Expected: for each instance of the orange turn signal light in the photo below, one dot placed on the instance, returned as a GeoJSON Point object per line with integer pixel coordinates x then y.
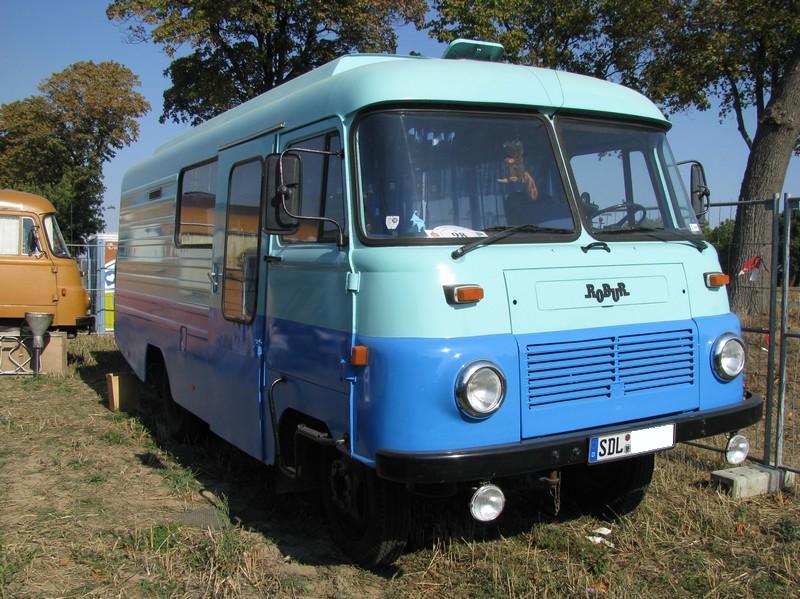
{"type": "Point", "coordinates": [463, 294]}
{"type": "Point", "coordinates": [359, 355]}
{"type": "Point", "coordinates": [716, 279]}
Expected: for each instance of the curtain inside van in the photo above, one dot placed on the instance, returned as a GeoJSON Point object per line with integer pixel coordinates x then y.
{"type": "Point", "coordinates": [9, 235]}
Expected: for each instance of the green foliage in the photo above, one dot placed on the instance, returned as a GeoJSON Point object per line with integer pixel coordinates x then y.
{"type": "Point", "coordinates": [681, 54]}
{"type": "Point", "coordinates": [242, 48]}
{"type": "Point", "coordinates": [722, 239]}
{"type": "Point", "coordinates": [55, 144]}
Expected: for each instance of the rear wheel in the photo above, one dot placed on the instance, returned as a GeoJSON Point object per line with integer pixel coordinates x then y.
{"type": "Point", "coordinates": [610, 490]}
{"type": "Point", "coordinates": [172, 420]}
{"type": "Point", "coordinates": [368, 517]}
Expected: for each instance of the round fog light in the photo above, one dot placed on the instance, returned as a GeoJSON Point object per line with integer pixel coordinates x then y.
{"type": "Point", "coordinates": [737, 449]}
{"type": "Point", "coordinates": [487, 503]}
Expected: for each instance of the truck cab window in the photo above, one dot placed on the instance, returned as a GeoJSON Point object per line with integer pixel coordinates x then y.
{"type": "Point", "coordinates": [30, 242]}
{"type": "Point", "coordinates": [323, 191]}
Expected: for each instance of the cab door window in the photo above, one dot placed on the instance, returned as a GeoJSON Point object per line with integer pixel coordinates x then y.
{"type": "Point", "coordinates": [323, 191]}
{"type": "Point", "coordinates": [30, 241]}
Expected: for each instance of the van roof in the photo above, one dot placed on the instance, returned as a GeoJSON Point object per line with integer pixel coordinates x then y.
{"type": "Point", "coordinates": [23, 201]}
{"type": "Point", "coordinates": [350, 83]}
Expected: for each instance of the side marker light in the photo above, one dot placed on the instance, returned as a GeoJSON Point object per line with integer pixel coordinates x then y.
{"type": "Point", "coordinates": [716, 279]}
{"type": "Point", "coordinates": [463, 294]}
{"type": "Point", "coordinates": [359, 355]}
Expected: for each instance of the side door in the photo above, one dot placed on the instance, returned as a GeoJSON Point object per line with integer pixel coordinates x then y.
{"type": "Point", "coordinates": [28, 264]}
{"type": "Point", "coordinates": [309, 309]}
{"type": "Point", "coordinates": [237, 326]}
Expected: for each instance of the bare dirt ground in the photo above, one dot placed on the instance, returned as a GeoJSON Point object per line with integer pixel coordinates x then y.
{"type": "Point", "coordinates": [100, 504]}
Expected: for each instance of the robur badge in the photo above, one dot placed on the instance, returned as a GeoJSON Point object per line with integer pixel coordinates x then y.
{"type": "Point", "coordinates": [606, 290]}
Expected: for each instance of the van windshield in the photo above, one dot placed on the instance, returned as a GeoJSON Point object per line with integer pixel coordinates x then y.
{"type": "Point", "coordinates": [54, 237]}
{"type": "Point", "coordinates": [430, 176]}
{"type": "Point", "coordinates": [626, 179]}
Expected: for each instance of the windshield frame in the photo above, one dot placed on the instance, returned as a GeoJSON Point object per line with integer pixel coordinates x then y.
{"type": "Point", "coordinates": [521, 237]}
{"type": "Point", "coordinates": [665, 234]}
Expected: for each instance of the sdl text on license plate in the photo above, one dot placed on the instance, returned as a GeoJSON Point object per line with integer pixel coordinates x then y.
{"type": "Point", "coordinates": [627, 443]}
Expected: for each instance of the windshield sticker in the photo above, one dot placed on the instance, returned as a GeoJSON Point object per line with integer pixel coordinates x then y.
{"type": "Point", "coordinates": [453, 231]}
{"type": "Point", "coordinates": [694, 227]}
{"type": "Point", "coordinates": [417, 222]}
{"type": "Point", "coordinates": [392, 222]}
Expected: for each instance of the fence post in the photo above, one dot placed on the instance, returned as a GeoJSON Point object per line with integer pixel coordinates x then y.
{"type": "Point", "coordinates": [786, 237]}
{"type": "Point", "coordinates": [773, 297]}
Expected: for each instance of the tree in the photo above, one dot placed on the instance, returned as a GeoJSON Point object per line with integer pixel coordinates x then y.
{"type": "Point", "coordinates": [242, 48]}
{"type": "Point", "coordinates": [683, 54]}
{"type": "Point", "coordinates": [55, 144]}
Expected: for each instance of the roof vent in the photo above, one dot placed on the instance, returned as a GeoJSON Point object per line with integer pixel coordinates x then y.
{"type": "Point", "coordinates": [474, 50]}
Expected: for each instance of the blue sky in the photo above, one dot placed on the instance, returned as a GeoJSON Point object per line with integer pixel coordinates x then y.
{"type": "Point", "coordinates": [41, 37]}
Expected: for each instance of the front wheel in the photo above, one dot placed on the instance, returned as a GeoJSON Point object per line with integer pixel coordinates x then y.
{"type": "Point", "coordinates": [368, 517]}
{"type": "Point", "coordinates": [610, 490]}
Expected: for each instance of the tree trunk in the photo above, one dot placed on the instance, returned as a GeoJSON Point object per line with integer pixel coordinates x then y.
{"type": "Point", "coordinates": [774, 141]}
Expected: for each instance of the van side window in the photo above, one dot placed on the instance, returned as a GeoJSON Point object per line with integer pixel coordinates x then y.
{"type": "Point", "coordinates": [323, 192]}
{"type": "Point", "coordinates": [9, 235]}
{"type": "Point", "coordinates": [242, 231]}
{"type": "Point", "coordinates": [195, 210]}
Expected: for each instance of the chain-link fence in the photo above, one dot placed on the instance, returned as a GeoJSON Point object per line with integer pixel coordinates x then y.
{"type": "Point", "coordinates": [771, 329]}
{"type": "Point", "coordinates": [97, 263]}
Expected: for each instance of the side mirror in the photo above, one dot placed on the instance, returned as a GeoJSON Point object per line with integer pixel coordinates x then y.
{"type": "Point", "coordinates": [32, 246]}
{"type": "Point", "coordinates": [283, 193]}
{"type": "Point", "coordinates": [700, 192]}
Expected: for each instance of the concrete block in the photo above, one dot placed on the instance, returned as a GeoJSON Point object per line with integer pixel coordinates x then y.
{"type": "Point", "coordinates": [752, 480]}
{"type": "Point", "coordinates": [123, 392]}
{"type": "Point", "coordinates": [54, 354]}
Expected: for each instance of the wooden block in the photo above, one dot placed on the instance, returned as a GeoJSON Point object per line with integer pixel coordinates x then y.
{"type": "Point", "coordinates": [123, 392]}
{"type": "Point", "coordinates": [112, 381]}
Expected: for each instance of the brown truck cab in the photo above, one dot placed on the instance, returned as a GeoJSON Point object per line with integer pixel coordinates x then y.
{"type": "Point", "coordinates": [37, 273]}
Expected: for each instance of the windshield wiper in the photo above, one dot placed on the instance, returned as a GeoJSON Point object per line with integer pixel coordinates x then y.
{"type": "Point", "coordinates": [499, 233]}
{"type": "Point", "coordinates": [653, 232]}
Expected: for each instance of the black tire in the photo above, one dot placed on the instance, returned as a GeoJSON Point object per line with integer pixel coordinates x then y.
{"type": "Point", "coordinates": [368, 517]}
{"type": "Point", "coordinates": [610, 490]}
{"type": "Point", "coordinates": [172, 420]}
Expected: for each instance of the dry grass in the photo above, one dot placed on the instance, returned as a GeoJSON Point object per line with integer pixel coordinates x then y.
{"type": "Point", "coordinates": [93, 504]}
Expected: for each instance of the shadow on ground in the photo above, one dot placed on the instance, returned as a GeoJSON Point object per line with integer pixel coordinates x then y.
{"type": "Point", "coordinates": [233, 482]}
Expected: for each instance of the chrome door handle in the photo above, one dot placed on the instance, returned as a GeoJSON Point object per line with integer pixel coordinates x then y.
{"type": "Point", "coordinates": [213, 276]}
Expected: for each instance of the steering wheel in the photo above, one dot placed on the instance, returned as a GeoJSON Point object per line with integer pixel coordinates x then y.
{"type": "Point", "coordinates": [635, 208]}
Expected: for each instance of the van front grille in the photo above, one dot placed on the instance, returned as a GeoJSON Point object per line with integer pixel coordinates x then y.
{"type": "Point", "coordinates": [602, 366]}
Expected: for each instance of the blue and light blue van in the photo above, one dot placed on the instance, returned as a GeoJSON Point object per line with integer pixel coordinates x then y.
{"type": "Point", "coordinates": [398, 275]}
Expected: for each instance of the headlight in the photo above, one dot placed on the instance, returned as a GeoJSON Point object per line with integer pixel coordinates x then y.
{"type": "Point", "coordinates": [480, 389]}
{"type": "Point", "coordinates": [728, 356]}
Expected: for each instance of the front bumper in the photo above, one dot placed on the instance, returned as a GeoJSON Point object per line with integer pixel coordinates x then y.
{"type": "Point", "coordinates": [551, 452]}
{"type": "Point", "coordinates": [85, 323]}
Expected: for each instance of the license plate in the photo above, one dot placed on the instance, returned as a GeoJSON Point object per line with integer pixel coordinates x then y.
{"type": "Point", "coordinates": [628, 443]}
